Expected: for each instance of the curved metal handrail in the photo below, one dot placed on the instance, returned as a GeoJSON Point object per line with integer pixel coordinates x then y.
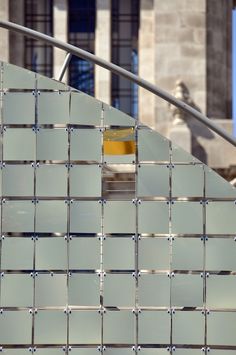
{"type": "Point", "coordinates": [121, 72]}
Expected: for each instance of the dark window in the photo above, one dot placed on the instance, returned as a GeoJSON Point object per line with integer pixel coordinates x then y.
{"type": "Point", "coordinates": [125, 24]}
{"type": "Point", "coordinates": [38, 16]}
{"type": "Point", "coordinates": [81, 21]}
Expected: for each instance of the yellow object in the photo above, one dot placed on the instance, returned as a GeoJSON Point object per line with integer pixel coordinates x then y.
{"type": "Point", "coordinates": [119, 141]}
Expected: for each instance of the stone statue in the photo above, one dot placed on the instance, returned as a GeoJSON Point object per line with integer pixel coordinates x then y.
{"type": "Point", "coordinates": [182, 93]}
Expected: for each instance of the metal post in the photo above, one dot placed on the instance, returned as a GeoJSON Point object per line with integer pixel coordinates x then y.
{"type": "Point", "coordinates": [64, 66]}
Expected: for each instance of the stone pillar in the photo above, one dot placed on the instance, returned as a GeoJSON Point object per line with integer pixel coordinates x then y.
{"type": "Point", "coordinates": [103, 50]}
{"type": "Point", "coordinates": [180, 51]}
{"type": "Point", "coordinates": [219, 58]}
{"type": "Point", "coordinates": [17, 41]}
{"type": "Point", "coordinates": [60, 20]}
{"type": "Point", "coordinates": [4, 34]}
{"type": "Point", "coordinates": [146, 60]}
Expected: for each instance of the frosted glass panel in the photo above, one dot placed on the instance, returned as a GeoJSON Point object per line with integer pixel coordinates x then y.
{"type": "Point", "coordinates": [213, 181]}
{"type": "Point", "coordinates": [180, 156]}
{"type": "Point", "coordinates": [188, 328]}
{"type": "Point", "coordinates": [154, 291]}
{"type": "Point", "coordinates": [18, 180]}
{"type": "Point", "coordinates": [51, 217]}
{"type": "Point", "coordinates": [85, 217]}
{"type": "Point", "coordinates": [17, 253]}
{"type": "Point", "coordinates": [154, 254]}
{"type": "Point", "coordinates": [221, 328]}
{"type": "Point", "coordinates": [51, 180]}
{"type": "Point", "coordinates": [221, 254]}
{"type": "Point", "coordinates": [16, 290]}
{"type": "Point", "coordinates": [152, 146]}
{"type": "Point", "coordinates": [84, 290]}
{"type": "Point", "coordinates": [53, 107]}
{"type": "Point", "coordinates": [79, 258]}
{"type": "Point", "coordinates": [52, 144]}
{"type": "Point", "coordinates": [187, 254]}
{"type": "Point", "coordinates": [50, 291]}
{"type": "Point", "coordinates": [119, 290]}
{"type": "Point", "coordinates": [18, 216]}
{"type": "Point", "coordinates": [85, 327]}
{"type": "Point", "coordinates": [220, 291]}
{"type": "Point", "coordinates": [187, 291]}
{"type": "Point", "coordinates": [18, 108]}
{"type": "Point", "coordinates": [12, 331]}
{"type": "Point", "coordinates": [86, 144]}
{"type": "Point", "coordinates": [17, 78]}
{"type": "Point", "coordinates": [85, 110]}
{"type": "Point", "coordinates": [50, 327]}
{"type": "Point", "coordinates": [85, 351]}
{"type": "Point", "coordinates": [119, 327]}
{"type": "Point", "coordinates": [153, 217]}
{"type": "Point", "coordinates": [153, 180]}
{"type": "Point", "coordinates": [220, 218]}
{"type": "Point", "coordinates": [154, 327]}
{"type": "Point", "coordinates": [85, 181]}
{"type": "Point", "coordinates": [126, 221]}
{"type": "Point", "coordinates": [46, 258]}
{"type": "Point", "coordinates": [187, 181]}
{"type": "Point", "coordinates": [155, 351]}
{"type": "Point", "coordinates": [186, 218]}
{"type": "Point", "coordinates": [114, 117]}
{"type": "Point", "coordinates": [19, 144]}
{"type": "Point", "coordinates": [118, 253]}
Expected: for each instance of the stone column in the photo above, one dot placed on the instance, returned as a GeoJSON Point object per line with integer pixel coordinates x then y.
{"type": "Point", "coordinates": [180, 51]}
{"type": "Point", "coordinates": [4, 35]}
{"type": "Point", "coordinates": [103, 49]}
{"type": "Point", "coordinates": [60, 20]}
{"type": "Point", "coordinates": [147, 61]}
{"type": "Point", "coordinates": [17, 41]}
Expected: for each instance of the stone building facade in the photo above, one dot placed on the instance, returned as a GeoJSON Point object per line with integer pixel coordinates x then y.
{"type": "Point", "coordinates": [163, 41]}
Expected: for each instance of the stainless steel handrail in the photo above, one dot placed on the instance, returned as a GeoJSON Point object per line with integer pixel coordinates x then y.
{"type": "Point", "coordinates": [121, 72]}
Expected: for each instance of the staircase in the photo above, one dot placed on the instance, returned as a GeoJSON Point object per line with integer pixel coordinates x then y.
{"type": "Point", "coordinates": [113, 239]}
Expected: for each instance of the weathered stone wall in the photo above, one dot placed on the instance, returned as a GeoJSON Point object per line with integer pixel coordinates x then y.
{"type": "Point", "coordinates": [180, 51]}
{"type": "Point", "coordinates": [219, 51]}
{"type": "Point", "coordinates": [4, 35]}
